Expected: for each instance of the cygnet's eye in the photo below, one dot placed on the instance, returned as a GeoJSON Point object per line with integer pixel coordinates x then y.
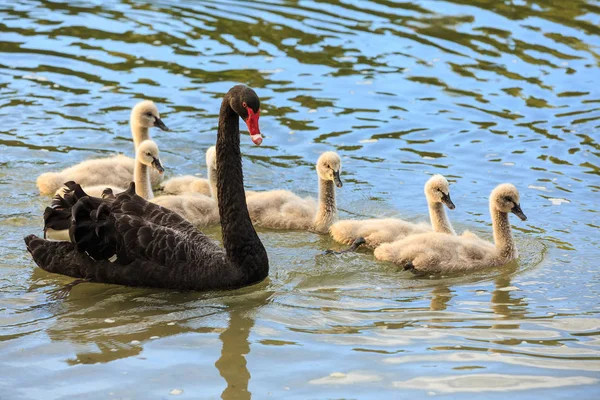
{"type": "Point", "coordinates": [508, 199]}
{"type": "Point", "coordinates": [149, 154]}
{"type": "Point", "coordinates": [148, 114]}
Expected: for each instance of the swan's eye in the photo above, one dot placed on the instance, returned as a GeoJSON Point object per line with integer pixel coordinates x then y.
{"type": "Point", "coordinates": [148, 114]}
{"type": "Point", "coordinates": [244, 104]}
{"type": "Point", "coordinates": [508, 199]}
{"type": "Point", "coordinates": [149, 154]}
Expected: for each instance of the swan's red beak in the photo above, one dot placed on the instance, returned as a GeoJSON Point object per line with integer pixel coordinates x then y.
{"type": "Point", "coordinates": [252, 123]}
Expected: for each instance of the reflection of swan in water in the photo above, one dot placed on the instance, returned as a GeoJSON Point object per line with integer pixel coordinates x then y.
{"type": "Point", "coordinates": [504, 303]}
{"type": "Point", "coordinates": [232, 364]}
{"type": "Point", "coordinates": [109, 323]}
{"type": "Point", "coordinates": [144, 315]}
{"type": "Point", "coordinates": [501, 302]}
{"type": "Point", "coordinates": [440, 296]}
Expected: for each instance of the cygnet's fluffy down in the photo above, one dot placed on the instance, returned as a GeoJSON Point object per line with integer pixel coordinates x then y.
{"type": "Point", "coordinates": [186, 184]}
{"type": "Point", "coordinates": [385, 230]}
{"type": "Point", "coordinates": [113, 171]}
{"type": "Point", "coordinates": [375, 231]}
{"type": "Point", "coordinates": [281, 209]}
{"type": "Point", "coordinates": [436, 252]}
{"type": "Point", "coordinates": [116, 171]}
{"type": "Point", "coordinates": [198, 209]}
{"type": "Point", "coordinates": [194, 184]}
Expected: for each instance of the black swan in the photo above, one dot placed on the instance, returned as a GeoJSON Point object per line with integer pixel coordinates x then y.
{"type": "Point", "coordinates": [127, 240]}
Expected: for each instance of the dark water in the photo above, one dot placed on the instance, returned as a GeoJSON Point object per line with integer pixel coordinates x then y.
{"type": "Point", "coordinates": [481, 91]}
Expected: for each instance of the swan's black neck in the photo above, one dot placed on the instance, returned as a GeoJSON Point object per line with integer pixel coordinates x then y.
{"type": "Point", "coordinates": [240, 240]}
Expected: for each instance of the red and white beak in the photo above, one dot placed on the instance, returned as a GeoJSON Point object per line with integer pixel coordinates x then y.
{"type": "Point", "coordinates": [252, 123]}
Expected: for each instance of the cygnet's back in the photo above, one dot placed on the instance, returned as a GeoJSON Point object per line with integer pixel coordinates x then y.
{"type": "Point", "coordinates": [438, 252]}
{"type": "Point", "coordinates": [281, 209]}
{"type": "Point", "coordinates": [193, 184]}
{"type": "Point", "coordinates": [200, 210]}
{"type": "Point", "coordinates": [378, 231]}
{"type": "Point", "coordinates": [112, 171]}
{"type": "Point", "coordinates": [186, 184]}
{"type": "Point", "coordinates": [375, 231]}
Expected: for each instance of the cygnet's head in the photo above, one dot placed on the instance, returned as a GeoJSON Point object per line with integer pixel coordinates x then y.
{"type": "Point", "coordinates": [505, 198]}
{"type": "Point", "coordinates": [437, 190]}
{"type": "Point", "coordinates": [329, 166]}
{"type": "Point", "coordinates": [211, 158]}
{"type": "Point", "coordinates": [147, 154]}
{"type": "Point", "coordinates": [146, 114]}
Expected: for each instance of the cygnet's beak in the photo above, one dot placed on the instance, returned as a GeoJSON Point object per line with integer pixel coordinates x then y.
{"type": "Point", "coordinates": [159, 124]}
{"type": "Point", "coordinates": [518, 212]}
{"type": "Point", "coordinates": [157, 165]}
{"type": "Point", "coordinates": [448, 201]}
{"type": "Point", "coordinates": [336, 179]}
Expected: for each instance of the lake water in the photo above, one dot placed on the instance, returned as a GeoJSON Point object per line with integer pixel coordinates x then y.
{"type": "Point", "coordinates": [481, 91]}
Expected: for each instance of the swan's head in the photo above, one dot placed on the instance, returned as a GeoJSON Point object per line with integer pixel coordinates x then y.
{"type": "Point", "coordinates": [147, 154]}
{"type": "Point", "coordinates": [211, 158]}
{"type": "Point", "coordinates": [146, 114]}
{"type": "Point", "coordinates": [437, 190]}
{"type": "Point", "coordinates": [244, 101]}
{"type": "Point", "coordinates": [505, 198]}
{"type": "Point", "coordinates": [329, 166]}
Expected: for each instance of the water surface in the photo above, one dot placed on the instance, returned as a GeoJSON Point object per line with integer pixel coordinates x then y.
{"type": "Point", "coordinates": [481, 91]}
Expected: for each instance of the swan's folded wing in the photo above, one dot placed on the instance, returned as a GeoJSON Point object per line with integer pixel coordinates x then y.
{"type": "Point", "coordinates": [139, 238]}
{"type": "Point", "coordinates": [130, 228]}
{"type": "Point", "coordinates": [56, 220]}
{"type": "Point", "coordinates": [131, 204]}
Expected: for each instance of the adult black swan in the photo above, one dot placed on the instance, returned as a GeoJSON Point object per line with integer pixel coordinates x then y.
{"type": "Point", "coordinates": [126, 240]}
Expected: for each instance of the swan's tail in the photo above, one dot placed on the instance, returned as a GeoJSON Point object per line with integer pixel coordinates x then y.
{"type": "Point", "coordinates": [93, 228]}
{"type": "Point", "coordinates": [49, 182]}
{"type": "Point", "coordinates": [57, 217]}
{"type": "Point", "coordinates": [91, 231]}
{"type": "Point", "coordinates": [54, 257]}
{"type": "Point", "coordinates": [56, 224]}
